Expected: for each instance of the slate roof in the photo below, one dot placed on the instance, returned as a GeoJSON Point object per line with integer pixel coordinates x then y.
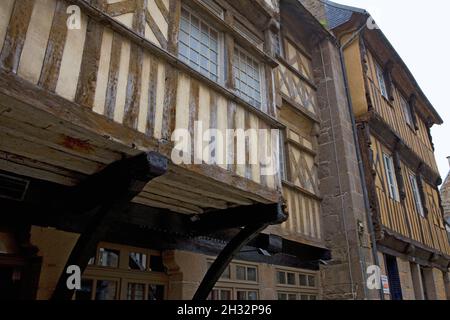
{"type": "Point", "coordinates": [338, 14]}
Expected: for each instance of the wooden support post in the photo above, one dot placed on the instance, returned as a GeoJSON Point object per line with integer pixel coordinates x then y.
{"type": "Point", "coordinates": [248, 233]}
{"type": "Point", "coordinates": [106, 194]}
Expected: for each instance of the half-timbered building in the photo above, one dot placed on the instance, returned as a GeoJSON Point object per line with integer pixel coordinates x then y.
{"type": "Point", "coordinates": [207, 149]}
{"type": "Point", "coordinates": [445, 195]}
{"type": "Point", "coordinates": [92, 94]}
{"type": "Point", "coordinates": [393, 119]}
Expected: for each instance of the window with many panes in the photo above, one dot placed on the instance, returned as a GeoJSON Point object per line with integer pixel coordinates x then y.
{"type": "Point", "coordinates": [220, 294]}
{"type": "Point", "coordinates": [246, 273]}
{"type": "Point", "coordinates": [295, 296]}
{"type": "Point", "coordinates": [296, 285]}
{"type": "Point", "coordinates": [199, 45]}
{"type": "Point", "coordinates": [416, 195]}
{"type": "Point", "coordinates": [246, 295]}
{"type": "Point", "coordinates": [247, 77]}
{"type": "Point", "coordinates": [307, 280]}
{"type": "Point", "coordinates": [390, 176]}
{"type": "Point", "coordinates": [115, 266]}
{"type": "Point", "coordinates": [233, 294]}
{"type": "Point", "coordinates": [381, 81]}
{"type": "Point", "coordinates": [108, 257]}
{"type": "Point", "coordinates": [288, 278]}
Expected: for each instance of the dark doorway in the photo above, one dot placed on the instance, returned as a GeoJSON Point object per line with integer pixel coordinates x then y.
{"type": "Point", "coordinates": [9, 283]}
{"type": "Point", "coordinates": [395, 286]}
{"type": "Point", "coordinates": [426, 295]}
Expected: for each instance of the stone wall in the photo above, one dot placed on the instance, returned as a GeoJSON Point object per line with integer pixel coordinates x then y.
{"type": "Point", "coordinates": [406, 280]}
{"type": "Point", "coordinates": [317, 9]}
{"type": "Point", "coordinates": [438, 277]}
{"type": "Point", "coordinates": [344, 216]}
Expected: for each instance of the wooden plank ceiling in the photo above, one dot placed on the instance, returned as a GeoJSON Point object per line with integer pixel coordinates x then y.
{"type": "Point", "coordinates": [37, 144]}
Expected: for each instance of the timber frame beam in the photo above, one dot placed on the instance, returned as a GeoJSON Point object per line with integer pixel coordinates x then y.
{"type": "Point", "coordinates": [105, 194]}
{"type": "Point", "coordinates": [382, 132]}
{"type": "Point", "coordinates": [271, 214]}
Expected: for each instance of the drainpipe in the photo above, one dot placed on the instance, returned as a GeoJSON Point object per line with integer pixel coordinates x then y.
{"type": "Point", "coordinates": [355, 35]}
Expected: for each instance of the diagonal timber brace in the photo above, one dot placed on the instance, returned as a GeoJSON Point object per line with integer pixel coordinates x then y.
{"type": "Point", "coordinates": [270, 214]}
{"type": "Point", "coordinates": [105, 194]}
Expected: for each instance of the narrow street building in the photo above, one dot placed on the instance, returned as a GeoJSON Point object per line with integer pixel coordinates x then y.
{"type": "Point", "coordinates": [212, 149]}
{"type": "Point", "coordinates": [445, 195]}
{"type": "Point", "coordinates": [93, 94]}
{"type": "Point", "coordinates": [393, 119]}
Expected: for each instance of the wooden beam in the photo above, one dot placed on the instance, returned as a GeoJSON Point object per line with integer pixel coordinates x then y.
{"type": "Point", "coordinates": [15, 35]}
{"type": "Point", "coordinates": [107, 194]}
{"type": "Point", "coordinates": [55, 48]}
{"type": "Point", "coordinates": [118, 8]}
{"type": "Point", "coordinates": [223, 260]}
{"type": "Point", "coordinates": [174, 26]}
{"type": "Point", "coordinates": [156, 31]}
{"type": "Point", "coordinates": [237, 217]}
{"type": "Point", "coordinates": [87, 81]}
{"type": "Point", "coordinates": [272, 214]}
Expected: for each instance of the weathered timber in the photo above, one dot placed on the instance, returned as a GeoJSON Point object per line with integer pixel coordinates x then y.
{"type": "Point", "coordinates": [107, 193]}
{"type": "Point", "coordinates": [274, 214]}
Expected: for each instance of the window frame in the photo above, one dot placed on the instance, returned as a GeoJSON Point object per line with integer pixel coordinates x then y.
{"type": "Point", "coordinates": [394, 192]}
{"type": "Point", "coordinates": [122, 275]}
{"type": "Point", "coordinates": [261, 71]}
{"type": "Point", "coordinates": [407, 112]}
{"type": "Point", "coordinates": [418, 203]}
{"type": "Point", "coordinates": [246, 267]}
{"type": "Point", "coordinates": [221, 61]}
{"type": "Point", "coordinates": [382, 84]}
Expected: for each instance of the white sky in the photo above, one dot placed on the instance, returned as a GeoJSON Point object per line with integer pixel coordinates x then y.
{"type": "Point", "coordinates": [418, 30]}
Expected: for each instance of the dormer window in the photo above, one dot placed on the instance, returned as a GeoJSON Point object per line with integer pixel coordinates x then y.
{"type": "Point", "coordinates": [382, 82]}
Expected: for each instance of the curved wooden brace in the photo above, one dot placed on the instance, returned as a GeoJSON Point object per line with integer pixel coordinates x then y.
{"type": "Point", "coordinates": [235, 245]}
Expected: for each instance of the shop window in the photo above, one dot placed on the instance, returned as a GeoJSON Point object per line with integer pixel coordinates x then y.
{"type": "Point", "coordinates": [106, 290]}
{"type": "Point", "coordinates": [246, 295]}
{"type": "Point", "coordinates": [137, 261]}
{"type": "Point", "coordinates": [109, 257]}
{"type": "Point", "coordinates": [220, 294]}
{"type": "Point", "coordinates": [85, 293]}
{"type": "Point", "coordinates": [155, 292]}
{"type": "Point", "coordinates": [135, 291]}
{"type": "Point", "coordinates": [246, 273]}
{"type": "Point", "coordinates": [281, 277]}
{"type": "Point", "coordinates": [156, 264]}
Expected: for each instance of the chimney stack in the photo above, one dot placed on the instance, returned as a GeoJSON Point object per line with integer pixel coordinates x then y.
{"type": "Point", "coordinates": [317, 8]}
